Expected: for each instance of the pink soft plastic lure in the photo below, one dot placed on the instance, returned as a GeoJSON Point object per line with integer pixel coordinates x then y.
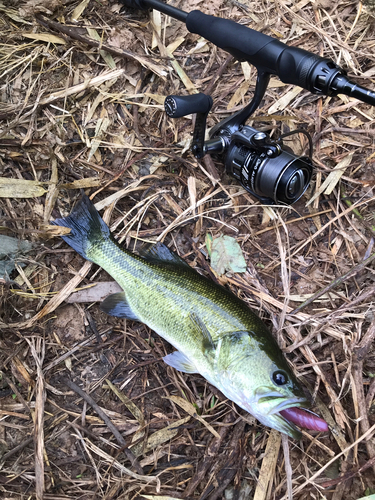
{"type": "Point", "coordinates": [305, 419]}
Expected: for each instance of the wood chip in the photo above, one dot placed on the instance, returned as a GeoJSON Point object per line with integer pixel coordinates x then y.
{"type": "Point", "coordinates": [267, 471]}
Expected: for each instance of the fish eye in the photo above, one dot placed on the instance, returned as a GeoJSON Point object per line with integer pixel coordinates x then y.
{"type": "Point", "coordinates": [279, 378]}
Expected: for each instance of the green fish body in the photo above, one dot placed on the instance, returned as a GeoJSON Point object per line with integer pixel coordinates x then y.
{"type": "Point", "coordinates": [214, 332]}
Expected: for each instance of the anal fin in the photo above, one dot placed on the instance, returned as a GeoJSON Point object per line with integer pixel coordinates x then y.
{"type": "Point", "coordinates": [117, 305]}
{"type": "Point", "coordinates": [181, 362]}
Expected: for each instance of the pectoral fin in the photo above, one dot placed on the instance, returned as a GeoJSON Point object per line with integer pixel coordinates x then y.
{"type": "Point", "coordinates": [202, 332]}
{"type": "Point", "coordinates": [230, 350]}
{"type": "Point", "coordinates": [117, 305]}
{"type": "Point", "coordinates": [180, 362]}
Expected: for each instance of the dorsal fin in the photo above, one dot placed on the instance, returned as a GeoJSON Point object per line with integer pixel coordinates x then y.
{"type": "Point", "coordinates": [161, 254]}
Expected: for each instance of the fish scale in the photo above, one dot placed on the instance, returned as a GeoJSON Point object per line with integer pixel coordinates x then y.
{"type": "Point", "coordinates": [214, 332]}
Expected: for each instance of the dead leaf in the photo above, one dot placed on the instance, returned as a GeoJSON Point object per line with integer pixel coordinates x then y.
{"type": "Point", "coordinates": [44, 37]}
{"type": "Point", "coordinates": [32, 7]}
{"type": "Point", "coordinates": [105, 55]}
{"type": "Point", "coordinates": [96, 292]}
{"type": "Point", "coordinates": [133, 408]}
{"type": "Point", "coordinates": [82, 183]}
{"type": "Point", "coordinates": [226, 255]}
{"type": "Point", "coordinates": [101, 127]}
{"type": "Point", "coordinates": [333, 178]}
{"type": "Point", "coordinates": [53, 231]}
{"type": "Point", "coordinates": [69, 325]}
{"type": "Point", "coordinates": [78, 11]}
{"type": "Point", "coordinates": [20, 188]}
{"type": "Point", "coordinates": [283, 102]}
{"type": "Point", "coordinates": [158, 438]}
{"type": "Point", "coordinates": [10, 250]}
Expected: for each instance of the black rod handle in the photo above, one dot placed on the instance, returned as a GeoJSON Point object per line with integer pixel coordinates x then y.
{"type": "Point", "coordinates": [291, 64]}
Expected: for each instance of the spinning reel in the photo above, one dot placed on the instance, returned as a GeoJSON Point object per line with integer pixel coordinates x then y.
{"type": "Point", "coordinates": [260, 164]}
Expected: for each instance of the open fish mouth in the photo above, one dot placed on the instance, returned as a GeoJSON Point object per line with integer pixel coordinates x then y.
{"type": "Point", "coordinates": [293, 412]}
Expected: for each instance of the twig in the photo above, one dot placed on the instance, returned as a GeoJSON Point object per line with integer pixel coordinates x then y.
{"type": "Point", "coordinates": [72, 32]}
{"type": "Point", "coordinates": [108, 423]}
{"type": "Point", "coordinates": [288, 467]}
{"type": "Point", "coordinates": [310, 240]}
{"type": "Point", "coordinates": [370, 393]}
{"type": "Point", "coordinates": [16, 449]}
{"type": "Point", "coordinates": [211, 169]}
{"type": "Point", "coordinates": [16, 391]}
{"type": "Point", "coordinates": [232, 465]}
{"type": "Point", "coordinates": [359, 391]}
{"type": "Point", "coordinates": [210, 458]}
{"type": "Point", "coordinates": [322, 469]}
{"type": "Point", "coordinates": [60, 94]}
{"type": "Point", "coordinates": [349, 474]}
{"type": "Point", "coordinates": [342, 130]}
{"type": "Point", "coordinates": [94, 330]}
{"type": "Point", "coordinates": [38, 351]}
{"type": "Point", "coordinates": [346, 307]}
{"type": "Point", "coordinates": [218, 73]}
{"type": "Point", "coordinates": [355, 270]}
{"type": "Point", "coordinates": [357, 213]}
{"type": "Point", "coordinates": [359, 355]}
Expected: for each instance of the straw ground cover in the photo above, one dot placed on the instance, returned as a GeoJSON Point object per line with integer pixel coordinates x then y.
{"type": "Point", "coordinates": [87, 408]}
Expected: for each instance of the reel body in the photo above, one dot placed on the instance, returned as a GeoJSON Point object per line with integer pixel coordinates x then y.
{"type": "Point", "coordinates": [272, 178]}
{"type": "Point", "coordinates": [263, 167]}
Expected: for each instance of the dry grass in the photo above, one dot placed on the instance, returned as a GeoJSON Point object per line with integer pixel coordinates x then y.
{"type": "Point", "coordinates": [88, 409]}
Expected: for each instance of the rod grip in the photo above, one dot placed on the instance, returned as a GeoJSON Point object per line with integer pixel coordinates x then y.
{"type": "Point", "coordinates": [267, 54]}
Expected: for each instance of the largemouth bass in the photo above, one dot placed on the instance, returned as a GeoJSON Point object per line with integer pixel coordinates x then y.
{"type": "Point", "coordinates": [214, 332]}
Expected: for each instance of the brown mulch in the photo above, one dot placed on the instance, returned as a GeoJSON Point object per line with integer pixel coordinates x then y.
{"type": "Point", "coordinates": [87, 407]}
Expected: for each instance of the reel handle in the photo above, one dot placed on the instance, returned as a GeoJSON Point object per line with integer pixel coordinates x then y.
{"type": "Point", "coordinates": [177, 106]}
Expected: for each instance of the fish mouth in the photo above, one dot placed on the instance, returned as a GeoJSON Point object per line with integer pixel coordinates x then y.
{"type": "Point", "coordinates": [291, 429]}
{"type": "Point", "coordinates": [274, 413]}
{"type": "Point", "coordinates": [284, 403]}
{"type": "Point", "coordinates": [290, 411]}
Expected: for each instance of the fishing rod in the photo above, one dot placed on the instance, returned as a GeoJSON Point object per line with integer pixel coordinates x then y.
{"type": "Point", "coordinates": [269, 171]}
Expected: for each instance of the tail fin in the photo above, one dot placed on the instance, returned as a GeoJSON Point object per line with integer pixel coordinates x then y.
{"type": "Point", "coordinates": [87, 227]}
